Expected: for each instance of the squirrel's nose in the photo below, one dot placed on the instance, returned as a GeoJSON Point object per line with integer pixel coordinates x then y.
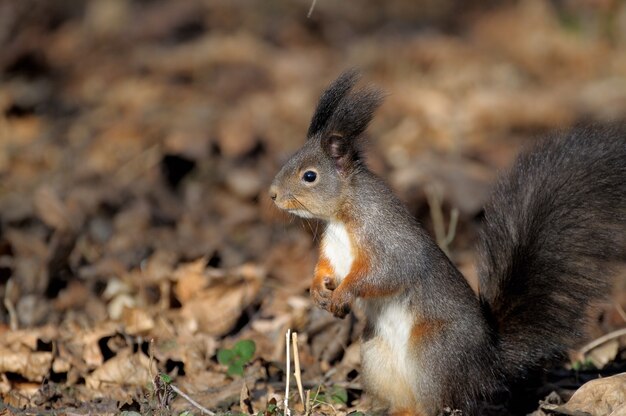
{"type": "Point", "coordinates": [273, 193]}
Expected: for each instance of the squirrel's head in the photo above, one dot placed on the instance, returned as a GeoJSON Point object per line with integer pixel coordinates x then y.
{"type": "Point", "coordinates": [316, 180]}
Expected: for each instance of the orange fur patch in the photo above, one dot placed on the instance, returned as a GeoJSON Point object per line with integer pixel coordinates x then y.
{"type": "Point", "coordinates": [323, 269]}
{"type": "Point", "coordinates": [406, 413]}
{"type": "Point", "coordinates": [354, 282]}
{"type": "Point", "coordinates": [291, 204]}
{"type": "Point", "coordinates": [424, 329]}
{"type": "Point", "coordinates": [358, 278]}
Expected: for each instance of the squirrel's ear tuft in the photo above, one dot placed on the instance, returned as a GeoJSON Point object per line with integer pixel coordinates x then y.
{"type": "Point", "coordinates": [354, 112]}
{"type": "Point", "coordinates": [330, 99]}
{"type": "Point", "coordinates": [342, 115]}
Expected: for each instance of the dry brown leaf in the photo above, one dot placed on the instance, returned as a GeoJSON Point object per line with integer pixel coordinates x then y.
{"type": "Point", "coordinates": [245, 183]}
{"type": "Point", "coordinates": [605, 353]}
{"type": "Point", "coordinates": [119, 303]}
{"type": "Point", "coordinates": [5, 384]}
{"type": "Point", "coordinates": [601, 397]}
{"type": "Point", "coordinates": [194, 351]}
{"type": "Point", "coordinates": [159, 266]}
{"type": "Point", "coordinates": [61, 365]}
{"type": "Point", "coordinates": [245, 400]}
{"type": "Point", "coordinates": [28, 338]}
{"type": "Point", "coordinates": [125, 369]}
{"type": "Point", "coordinates": [137, 321]}
{"type": "Point", "coordinates": [33, 366]}
{"type": "Point", "coordinates": [236, 137]}
{"type": "Point", "coordinates": [190, 279]}
{"type": "Point", "coordinates": [51, 209]}
{"type": "Point", "coordinates": [75, 295]}
{"type": "Point", "coordinates": [217, 308]}
{"type": "Point", "coordinates": [88, 342]}
{"type": "Point", "coordinates": [21, 394]}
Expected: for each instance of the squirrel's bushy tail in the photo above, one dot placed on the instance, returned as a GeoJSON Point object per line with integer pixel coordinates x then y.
{"type": "Point", "coordinates": [551, 231]}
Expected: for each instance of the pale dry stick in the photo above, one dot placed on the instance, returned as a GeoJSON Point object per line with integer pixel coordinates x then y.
{"type": "Point", "coordinates": [316, 402]}
{"type": "Point", "coordinates": [297, 373]}
{"type": "Point", "coordinates": [151, 352]}
{"type": "Point", "coordinates": [308, 16]}
{"type": "Point", "coordinates": [454, 218]}
{"type": "Point", "coordinates": [599, 341]}
{"type": "Point", "coordinates": [286, 402]}
{"type": "Point", "coordinates": [178, 391]}
{"type": "Point", "coordinates": [317, 393]}
{"type": "Point", "coordinates": [8, 303]}
{"type": "Point", "coordinates": [433, 196]}
{"type": "Point", "coordinates": [307, 406]}
{"type": "Point", "coordinates": [197, 405]}
{"type": "Point", "coordinates": [620, 310]}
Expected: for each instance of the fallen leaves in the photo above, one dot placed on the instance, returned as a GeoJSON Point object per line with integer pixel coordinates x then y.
{"type": "Point", "coordinates": [33, 366]}
{"type": "Point", "coordinates": [135, 158]}
{"type": "Point", "coordinates": [126, 369]}
{"type": "Point", "coordinates": [601, 397]}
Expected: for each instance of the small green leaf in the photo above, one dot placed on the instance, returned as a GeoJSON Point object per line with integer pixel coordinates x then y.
{"type": "Point", "coordinates": [185, 413]}
{"type": "Point", "coordinates": [585, 365]}
{"type": "Point", "coordinates": [235, 369]}
{"type": "Point", "coordinates": [225, 357]}
{"type": "Point", "coordinates": [130, 413]}
{"type": "Point", "coordinates": [339, 395]}
{"type": "Point", "coordinates": [240, 360]}
{"type": "Point", "coordinates": [356, 413]}
{"type": "Point", "coordinates": [245, 349]}
{"type": "Point", "coordinates": [165, 378]}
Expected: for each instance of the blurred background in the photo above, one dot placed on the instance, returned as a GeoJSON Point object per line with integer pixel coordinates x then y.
{"type": "Point", "coordinates": [138, 139]}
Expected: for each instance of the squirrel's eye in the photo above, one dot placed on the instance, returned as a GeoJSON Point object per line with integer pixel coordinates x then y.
{"type": "Point", "coordinates": [309, 176]}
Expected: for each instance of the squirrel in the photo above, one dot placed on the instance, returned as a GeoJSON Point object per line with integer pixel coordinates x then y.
{"type": "Point", "coordinates": [552, 228]}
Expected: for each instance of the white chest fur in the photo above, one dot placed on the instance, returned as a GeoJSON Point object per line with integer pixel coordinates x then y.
{"type": "Point", "coordinates": [337, 248]}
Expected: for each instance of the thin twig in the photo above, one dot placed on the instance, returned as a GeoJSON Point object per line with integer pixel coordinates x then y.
{"type": "Point", "coordinates": [286, 402]}
{"type": "Point", "coordinates": [308, 16]}
{"type": "Point", "coordinates": [433, 197]}
{"type": "Point", "coordinates": [8, 303]}
{"type": "Point", "coordinates": [297, 373]}
{"type": "Point", "coordinates": [307, 406]}
{"type": "Point", "coordinates": [620, 310]}
{"type": "Point", "coordinates": [202, 409]}
{"type": "Point", "coordinates": [454, 218]}
{"type": "Point", "coordinates": [599, 341]}
{"type": "Point", "coordinates": [315, 401]}
{"type": "Point", "coordinates": [435, 202]}
{"type": "Point", "coordinates": [151, 351]}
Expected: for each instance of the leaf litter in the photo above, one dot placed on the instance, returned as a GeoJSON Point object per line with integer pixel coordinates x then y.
{"type": "Point", "coordinates": [137, 139]}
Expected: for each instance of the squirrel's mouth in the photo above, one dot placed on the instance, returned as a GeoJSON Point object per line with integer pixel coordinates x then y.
{"type": "Point", "coordinates": [298, 211]}
{"type": "Point", "coordinates": [294, 207]}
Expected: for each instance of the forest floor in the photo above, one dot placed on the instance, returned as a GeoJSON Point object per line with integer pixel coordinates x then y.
{"type": "Point", "coordinates": [138, 247]}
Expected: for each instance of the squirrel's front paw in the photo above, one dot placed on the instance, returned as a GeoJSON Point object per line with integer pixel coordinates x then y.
{"type": "Point", "coordinates": [321, 292]}
{"type": "Point", "coordinates": [340, 302]}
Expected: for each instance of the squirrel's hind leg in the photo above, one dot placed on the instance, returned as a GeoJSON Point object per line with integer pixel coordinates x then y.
{"type": "Point", "coordinates": [394, 358]}
{"type": "Point", "coordinates": [385, 377]}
